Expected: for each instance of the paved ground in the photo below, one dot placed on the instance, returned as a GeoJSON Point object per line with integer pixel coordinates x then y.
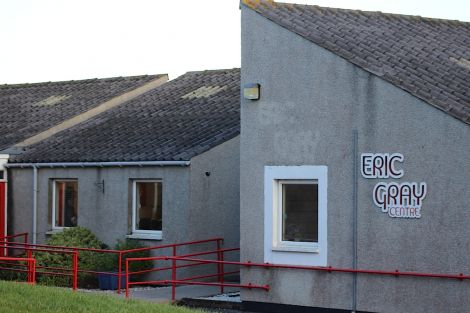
{"type": "Point", "coordinates": [162, 294]}
{"type": "Point", "coordinates": [204, 293]}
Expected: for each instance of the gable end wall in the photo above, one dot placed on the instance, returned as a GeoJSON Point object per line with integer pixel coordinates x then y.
{"type": "Point", "coordinates": [311, 102]}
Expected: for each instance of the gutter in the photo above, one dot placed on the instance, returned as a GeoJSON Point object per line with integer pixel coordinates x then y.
{"type": "Point", "coordinates": [37, 166]}
{"type": "Point", "coordinates": [97, 164]}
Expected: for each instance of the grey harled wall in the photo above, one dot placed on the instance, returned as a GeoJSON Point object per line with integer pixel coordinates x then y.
{"type": "Point", "coordinates": [215, 199]}
{"type": "Point", "coordinates": [311, 101]}
{"type": "Point", "coordinates": [106, 214]}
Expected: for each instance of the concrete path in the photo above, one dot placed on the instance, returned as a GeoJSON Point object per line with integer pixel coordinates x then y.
{"type": "Point", "coordinates": [163, 294]}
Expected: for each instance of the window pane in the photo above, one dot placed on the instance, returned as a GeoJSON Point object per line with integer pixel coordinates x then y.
{"type": "Point", "coordinates": [300, 212]}
{"type": "Point", "coordinates": [66, 203]}
{"type": "Point", "coordinates": [149, 206]}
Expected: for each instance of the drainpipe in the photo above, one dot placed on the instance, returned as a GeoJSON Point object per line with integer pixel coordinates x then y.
{"type": "Point", "coordinates": [354, 291]}
{"type": "Point", "coordinates": [3, 161]}
{"type": "Point", "coordinates": [35, 202]}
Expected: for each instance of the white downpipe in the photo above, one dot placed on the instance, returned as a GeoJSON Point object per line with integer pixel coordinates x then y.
{"type": "Point", "coordinates": [3, 161]}
{"type": "Point", "coordinates": [35, 202]}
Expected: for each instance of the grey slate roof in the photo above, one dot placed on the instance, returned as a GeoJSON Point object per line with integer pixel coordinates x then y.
{"type": "Point", "coordinates": [27, 109]}
{"type": "Point", "coordinates": [429, 58]}
{"type": "Point", "coordinates": [175, 121]}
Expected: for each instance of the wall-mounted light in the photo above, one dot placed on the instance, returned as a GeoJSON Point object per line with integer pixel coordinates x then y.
{"type": "Point", "coordinates": [251, 91]}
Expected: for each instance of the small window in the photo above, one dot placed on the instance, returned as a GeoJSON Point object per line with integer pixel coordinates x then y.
{"type": "Point", "coordinates": [2, 174]}
{"type": "Point", "coordinates": [147, 208]}
{"type": "Point", "coordinates": [295, 215]}
{"type": "Point", "coordinates": [65, 203]}
{"type": "Point", "coordinates": [299, 211]}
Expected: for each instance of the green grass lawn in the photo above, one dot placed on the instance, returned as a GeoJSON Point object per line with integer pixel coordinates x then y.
{"type": "Point", "coordinates": [20, 297]}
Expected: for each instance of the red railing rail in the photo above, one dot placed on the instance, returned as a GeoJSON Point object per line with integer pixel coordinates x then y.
{"type": "Point", "coordinates": [30, 267]}
{"type": "Point", "coordinates": [249, 264]}
{"type": "Point", "coordinates": [331, 269]}
{"type": "Point", "coordinates": [45, 270]}
{"type": "Point", "coordinates": [217, 240]}
{"type": "Point", "coordinates": [9, 238]}
{"type": "Point", "coordinates": [24, 235]}
{"type": "Point", "coordinates": [220, 274]}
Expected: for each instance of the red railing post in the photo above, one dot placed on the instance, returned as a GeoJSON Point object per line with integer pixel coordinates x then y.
{"type": "Point", "coordinates": [220, 270]}
{"type": "Point", "coordinates": [75, 270]}
{"type": "Point", "coordinates": [222, 278]}
{"type": "Point", "coordinates": [173, 276]}
{"type": "Point", "coordinates": [25, 239]}
{"type": "Point", "coordinates": [5, 247]}
{"type": "Point", "coordinates": [119, 272]}
{"type": "Point", "coordinates": [33, 271]}
{"type": "Point", "coordinates": [29, 255]}
{"type": "Point", "coordinates": [29, 276]}
{"type": "Point", "coordinates": [31, 266]}
{"type": "Point", "coordinates": [127, 278]}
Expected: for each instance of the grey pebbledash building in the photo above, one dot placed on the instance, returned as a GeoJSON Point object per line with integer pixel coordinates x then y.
{"type": "Point", "coordinates": [355, 154]}
{"type": "Point", "coordinates": [161, 166]}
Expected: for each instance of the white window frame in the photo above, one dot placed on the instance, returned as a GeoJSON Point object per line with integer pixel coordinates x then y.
{"type": "Point", "coordinates": [54, 188]}
{"type": "Point", "coordinates": [288, 252]}
{"type": "Point", "coordinates": [138, 233]}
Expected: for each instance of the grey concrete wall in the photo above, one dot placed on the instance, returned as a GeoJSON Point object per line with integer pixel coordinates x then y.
{"type": "Point", "coordinates": [215, 199]}
{"type": "Point", "coordinates": [106, 214]}
{"type": "Point", "coordinates": [20, 201]}
{"type": "Point", "coordinates": [311, 101]}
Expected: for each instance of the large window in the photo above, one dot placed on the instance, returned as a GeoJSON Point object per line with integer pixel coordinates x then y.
{"type": "Point", "coordinates": [65, 203]}
{"type": "Point", "coordinates": [147, 208]}
{"type": "Point", "coordinates": [295, 215]}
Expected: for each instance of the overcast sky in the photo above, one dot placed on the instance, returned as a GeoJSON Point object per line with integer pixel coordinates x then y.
{"type": "Point", "coordinates": [50, 40]}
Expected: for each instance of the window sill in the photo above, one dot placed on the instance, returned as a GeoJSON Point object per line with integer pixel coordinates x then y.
{"type": "Point", "coordinates": [302, 249]}
{"type": "Point", "coordinates": [55, 231]}
{"type": "Point", "coordinates": [145, 236]}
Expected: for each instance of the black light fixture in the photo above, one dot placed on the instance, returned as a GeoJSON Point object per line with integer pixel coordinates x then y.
{"type": "Point", "coordinates": [251, 91]}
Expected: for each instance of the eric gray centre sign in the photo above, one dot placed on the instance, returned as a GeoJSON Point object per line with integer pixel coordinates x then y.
{"type": "Point", "coordinates": [397, 199]}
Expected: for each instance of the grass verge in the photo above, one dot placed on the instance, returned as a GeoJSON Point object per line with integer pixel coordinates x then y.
{"type": "Point", "coordinates": [22, 298]}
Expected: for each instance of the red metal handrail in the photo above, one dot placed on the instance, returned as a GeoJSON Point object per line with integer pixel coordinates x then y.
{"type": "Point", "coordinates": [460, 276]}
{"type": "Point", "coordinates": [6, 239]}
{"type": "Point", "coordinates": [116, 251]}
{"type": "Point", "coordinates": [171, 245]}
{"type": "Point", "coordinates": [25, 235]}
{"type": "Point", "coordinates": [328, 269]}
{"type": "Point", "coordinates": [31, 267]}
{"type": "Point", "coordinates": [29, 255]}
{"type": "Point", "coordinates": [217, 240]}
{"type": "Point", "coordinates": [174, 281]}
{"type": "Point", "coordinates": [75, 270]}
